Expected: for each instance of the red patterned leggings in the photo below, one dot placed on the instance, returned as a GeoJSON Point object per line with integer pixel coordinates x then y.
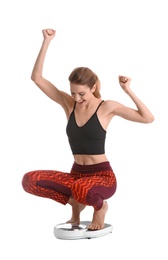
{"type": "Point", "coordinates": [87, 184]}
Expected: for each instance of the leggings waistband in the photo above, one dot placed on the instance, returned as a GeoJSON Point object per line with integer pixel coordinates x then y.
{"type": "Point", "coordinates": [91, 167]}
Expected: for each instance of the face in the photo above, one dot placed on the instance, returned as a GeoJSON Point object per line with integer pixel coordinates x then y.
{"type": "Point", "coordinates": [81, 93]}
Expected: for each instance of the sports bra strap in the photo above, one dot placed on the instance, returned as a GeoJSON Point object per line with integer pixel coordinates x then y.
{"type": "Point", "coordinates": [99, 105]}
{"type": "Point", "coordinates": [74, 106]}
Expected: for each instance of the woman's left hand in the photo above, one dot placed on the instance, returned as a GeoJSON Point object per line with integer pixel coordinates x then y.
{"type": "Point", "coordinates": [124, 82]}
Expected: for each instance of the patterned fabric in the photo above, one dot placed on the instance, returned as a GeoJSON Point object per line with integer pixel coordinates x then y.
{"type": "Point", "coordinates": [87, 184]}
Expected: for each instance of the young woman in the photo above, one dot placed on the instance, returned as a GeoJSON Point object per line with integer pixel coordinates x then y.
{"type": "Point", "coordinates": [91, 180]}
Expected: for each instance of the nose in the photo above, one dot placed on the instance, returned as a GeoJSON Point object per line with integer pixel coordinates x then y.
{"type": "Point", "coordinates": [77, 97]}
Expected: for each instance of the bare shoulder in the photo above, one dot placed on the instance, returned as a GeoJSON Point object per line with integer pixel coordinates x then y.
{"type": "Point", "coordinates": [106, 113]}
{"type": "Point", "coordinates": [108, 106]}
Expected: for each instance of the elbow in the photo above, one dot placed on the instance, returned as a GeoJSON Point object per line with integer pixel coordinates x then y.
{"type": "Point", "coordinates": [35, 77]}
{"type": "Point", "coordinates": [32, 77]}
{"type": "Point", "coordinates": [150, 119]}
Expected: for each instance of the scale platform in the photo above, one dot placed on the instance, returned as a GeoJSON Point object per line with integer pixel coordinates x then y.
{"type": "Point", "coordinates": [70, 231]}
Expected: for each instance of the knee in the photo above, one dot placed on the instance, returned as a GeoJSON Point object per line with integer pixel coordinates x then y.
{"type": "Point", "coordinates": [25, 181]}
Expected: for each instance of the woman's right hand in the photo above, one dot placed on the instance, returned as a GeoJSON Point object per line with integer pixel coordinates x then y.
{"type": "Point", "coordinates": [48, 33]}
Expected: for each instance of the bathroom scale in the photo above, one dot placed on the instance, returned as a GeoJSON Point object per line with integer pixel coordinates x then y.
{"type": "Point", "coordinates": [71, 231]}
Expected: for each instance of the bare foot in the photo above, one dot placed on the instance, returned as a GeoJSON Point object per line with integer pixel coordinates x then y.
{"type": "Point", "coordinates": [98, 218]}
{"type": "Point", "coordinates": [76, 210]}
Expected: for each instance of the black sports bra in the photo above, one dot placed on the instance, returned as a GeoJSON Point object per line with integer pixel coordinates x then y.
{"type": "Point", "coordinates": [87, 139]}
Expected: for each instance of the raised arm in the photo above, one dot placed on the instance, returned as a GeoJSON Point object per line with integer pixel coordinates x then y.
{"type": "Point", "coordinates": [142, 114]}
{"type": "Point", "coordinates": [46, 86]}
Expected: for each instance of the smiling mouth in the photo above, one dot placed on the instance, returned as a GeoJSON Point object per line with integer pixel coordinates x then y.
{"type": "Point", "coordinates": [80, 102]}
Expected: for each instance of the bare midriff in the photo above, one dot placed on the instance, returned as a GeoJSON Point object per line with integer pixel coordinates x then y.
{"type": "Point", "coordinates": [87, 159]}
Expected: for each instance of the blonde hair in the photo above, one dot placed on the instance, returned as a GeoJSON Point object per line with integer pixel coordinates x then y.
{"type": "Point", "coordinates": [85, 76]}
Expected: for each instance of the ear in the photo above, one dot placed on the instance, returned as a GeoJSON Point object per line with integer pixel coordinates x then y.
{"type": "Point", "coordinates": [93, 88]}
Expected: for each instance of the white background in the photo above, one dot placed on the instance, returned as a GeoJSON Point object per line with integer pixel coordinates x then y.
{"type": "Point", "coordinates": [112, 38]}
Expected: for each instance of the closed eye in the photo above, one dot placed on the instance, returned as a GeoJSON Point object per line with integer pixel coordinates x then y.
{"type": "Point", "coordinates": [81, 93]}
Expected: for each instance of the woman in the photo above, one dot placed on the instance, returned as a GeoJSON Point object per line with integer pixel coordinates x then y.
{"type": "Point", "coordinates": [91, 180]}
